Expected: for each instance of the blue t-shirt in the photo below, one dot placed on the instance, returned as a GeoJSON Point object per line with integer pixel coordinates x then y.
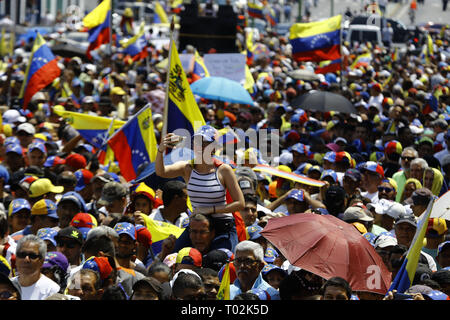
{"type": "Point", "coordinates": [235, 288]}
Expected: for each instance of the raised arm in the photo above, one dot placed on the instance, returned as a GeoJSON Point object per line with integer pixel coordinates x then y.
{"type": "Point", "coordinates": [171, 171]}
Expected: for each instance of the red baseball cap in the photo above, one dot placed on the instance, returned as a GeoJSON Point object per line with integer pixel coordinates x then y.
{"type": "Point", "coordinates": [76, 161]}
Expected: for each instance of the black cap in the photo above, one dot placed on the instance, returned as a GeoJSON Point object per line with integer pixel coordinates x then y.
{"type": "Point", "coordinates": [215, 259]}
{"type": "Point", "coordinates": [71, 233]}
{"type": "Point", "coordinates": [152, 282]}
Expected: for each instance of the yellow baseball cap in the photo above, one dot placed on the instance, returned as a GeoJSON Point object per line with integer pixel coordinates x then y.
{"type": "Point", "coordinates": [43, 186]}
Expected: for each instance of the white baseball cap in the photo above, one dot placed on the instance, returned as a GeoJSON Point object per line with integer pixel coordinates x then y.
{"type": "Point", "coordinates": [12, 116]}
{"type": "Point", "coordinates": [27, 127]}
{"type": "Point", "coordinates": [391, 208]}
{"type": "Point", "coordinates": [384, 241]}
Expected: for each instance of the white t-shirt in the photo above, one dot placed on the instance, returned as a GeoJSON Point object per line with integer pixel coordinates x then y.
{"type": "Point", "coordinates": [40, 290]}
{"type": "Point", "coordinates": [373, 197]}
{"type": "Point", "coordinates": [157, 216]}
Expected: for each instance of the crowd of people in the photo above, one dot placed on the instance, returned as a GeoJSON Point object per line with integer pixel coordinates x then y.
{"type": "Point", "coordinates": [72, 228]}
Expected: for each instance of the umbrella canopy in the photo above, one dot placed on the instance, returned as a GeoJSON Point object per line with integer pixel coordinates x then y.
{"type": "Point", "coordinates": [222, 89]}
{"type": "Point", "coordinates": [441, 207]}
{"type": "Point", "coordinates": [303, 74]}
{"type": "Point", "coordinates": [329, 247]}
{"type": "Point", "coordinates": [324, 101]}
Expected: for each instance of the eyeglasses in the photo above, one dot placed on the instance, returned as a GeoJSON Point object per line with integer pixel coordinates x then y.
{"type": "Point", "coordinates": [385, 189]}
{"type": "Point", "coordinates": [31, 255]}
{"type": "Point", "coordinates": [68, 244]}
{"type": "Point", "coordinates": [245, 261]}
{"type": "Point", "coordinates": [408, 158]}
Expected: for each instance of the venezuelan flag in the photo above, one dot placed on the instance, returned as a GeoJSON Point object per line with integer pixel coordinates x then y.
{"type": "Point", "coordinates": [134, 143]}
{"type": "Point", "coordinates": [405, 275]}
{"type": "Point", "coordinates": [362, 60]}
{"type": "Point", "coordinates": [136, 47]}
{"type": "Point", "coordinates": [92, 128]}
{"type": "Point", "coordinates": [182, 111]}
{"type": "Point", "coordinates": [316, 41]}
{"type": "Point", "coordinates": [176, 6]}
{"type": "Point", "coordinates": [41, 71]}
{"type": "Point", "coordinates": [160, 231]}
{"type": "Point", "coordinates": [255, 10]}
{"type": "Point", "coordinates": [98, 23]}
{"type": "Point", "coordinates": [160, 16]}
{"type": "Point", "coordinates": [329, 66]}
{"type": "Point", "coordinates": [224, 289]}
{"type": "Point", "coordinates": [271, 16]}
{"type": "Point", "coordinates": [199, 71]}
{"type": "Point", "coordinates": [227, 136]}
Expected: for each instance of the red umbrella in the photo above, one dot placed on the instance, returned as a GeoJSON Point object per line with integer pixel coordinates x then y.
{"type": "Point", "coordinates": [329, 247]}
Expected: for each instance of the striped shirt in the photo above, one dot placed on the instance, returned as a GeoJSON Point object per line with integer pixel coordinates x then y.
{"type": "Point", "coordinates": [205, 190]}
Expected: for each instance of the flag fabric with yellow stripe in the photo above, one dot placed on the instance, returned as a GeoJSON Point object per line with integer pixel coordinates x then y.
{"type": "Point", "coordinates": [98, 23]}
{"type": "Point", "coordinates": [92, 128]}
{"type": "Point", "coordinates": [42, 70]}
{"type": "Point", "coordinates": [161, 16]}
{"type": "Point", "coordinates": [224, 289]}
{"type": "Point", "coordinates": [134, 143]}
{"type": "Point", "coordinates": [160, 230]}
{"type": "Point", "coordinates": [316, 41]}
{"type": "Point", "coordinates": [405, 276]}
{"type": "Point", "coordinates": [182, 110]}
{"type": "Point", "coordinates": [363, 60]}
{"type": "Point", "coordinates": [199, 70]}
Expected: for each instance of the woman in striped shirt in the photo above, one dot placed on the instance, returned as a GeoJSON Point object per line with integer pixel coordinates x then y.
{"type": "Point", "coordinates": [207, 181]}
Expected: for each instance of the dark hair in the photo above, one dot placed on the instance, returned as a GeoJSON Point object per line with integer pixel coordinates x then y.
{"type": "Point", "coordinates": [251, 198]}
{"type": "Point", "coordinates": [200, 217]}
{"type": "Point", "coordinates": [206, 272]}
{"type": "Point", "coordinates": [337, 282]}
{"type": "Point", "coordinates": [3, 225]}
{"type": "Point", "coordinates": [184, 281]}
{"type": "Point", "coordinates": [246, 296]}
{"type": "Point", "coordinates": [172, 188]}
{"type": "Point", "coordinates": [159, 267]}
{"type": "Point", "coordinates": [115, 292]}
{"type": "Point", "coordinates": [441, 276]}
{"type": "Point", "coordinates": [101, 243]}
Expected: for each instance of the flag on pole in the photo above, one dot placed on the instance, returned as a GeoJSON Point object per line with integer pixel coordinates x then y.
{"type": "Point", "coordinates": [93, 129]}
{"type": "Point", "coordinates": [199, 70]}
{"type": "Point", "coordinates": [224, 289]}
{"type": "Point", "coordinates": [316, 41]}
{"type": "Point", "coordinates": [41, 71]}
{"type": "Point", "coordinates": [98, 23]}
{"type": "Point", "coordinates": [362, 60]}
{"type": "Point", "coordinates": [182, 111]}
{"type": "Point", "coordinates": [136, 47]}
{"type": "Point", "coordinates": [255, 10]}
{"type": "Point", "coordinates": [405, 276]}
{"type": "Point", "coordinates": [134, 143]}
{"type": "Point", "coordinates": [271, 16]}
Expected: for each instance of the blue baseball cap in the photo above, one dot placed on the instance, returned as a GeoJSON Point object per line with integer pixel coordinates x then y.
{"type": "Point", "coordinates": [18, 204]}
{"type": "Point", "coordinates": [54, 161]}
{"type": "Point", "coordinates": [47, 234]}
{"type": "Point", "coordinates": [297, 195]}
{"type": "Point", "coordinates": [270, 267]}
{"type": "Point", "coordinates": [330, 156]}
{"type": "Point", "coordinates": [11, 140]}
{"type": "Point", "coordinates": [300, 148]}
{"type": "Point", "coordinates": [207, 132]}
{"type": "Point", "coordinates": [57, 259]}
{"type": "Point", "coordinates": [13, 147]}
{"type": "Point", "coordinates": [329, 173]}
{"type": "Point", "coordinates": [270, 255]}
{"type": "Point", "coordinates": [126, 228]}
{"type": "Point", "coordinates": [254, 232]}
{"type": "Point", "coordinates": [443, 245]}
{"type": "Point", "coordinates": [4, 174]}
{"type": "Point", "coordinates": [37, 145]}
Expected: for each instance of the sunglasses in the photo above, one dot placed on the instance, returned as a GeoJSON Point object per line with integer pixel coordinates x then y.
{"type": "Point", "coordinates": [31, 255]}
{"type": "Point", "coordinates": [385, 189]}
{"type": "Point", "coordinates": [67, 244]}
{"type": "Point", "coordinates": [408, 158]}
